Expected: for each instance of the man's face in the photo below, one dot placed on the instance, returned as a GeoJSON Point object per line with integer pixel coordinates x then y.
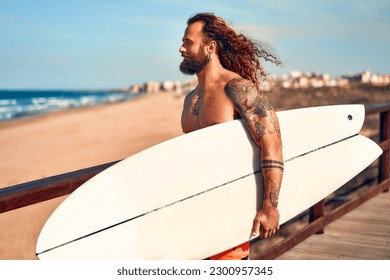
{"type": "Point", "coordinates": [193, 50]}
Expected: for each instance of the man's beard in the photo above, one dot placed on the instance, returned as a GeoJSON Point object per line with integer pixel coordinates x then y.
{"type": "Point", "coordinates": [194, 64]}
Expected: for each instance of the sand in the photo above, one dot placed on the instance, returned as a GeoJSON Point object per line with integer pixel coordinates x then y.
{"type": "Point", "coordinates": [65, 141]}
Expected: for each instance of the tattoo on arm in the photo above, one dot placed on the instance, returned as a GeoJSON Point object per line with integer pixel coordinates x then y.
{"type": "Point", "coordinates": [274, 195]}
{"type": "Point", "coordinates": [253, 106]}
{"type": "Point", "coordinates": [268, 164]}
{"type": "Point", "coordinates": [260, 118]}
{"type": "Point", "coordinates": [273, 187]}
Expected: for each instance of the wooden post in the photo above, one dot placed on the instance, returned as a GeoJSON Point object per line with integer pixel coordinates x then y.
{"type": "Point", "coordinates": [316, 212]}
{"type": "Point", "coordinates": [384, 163]}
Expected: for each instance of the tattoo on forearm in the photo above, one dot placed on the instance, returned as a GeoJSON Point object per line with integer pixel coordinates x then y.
{"type": "Point", "coordinates": [268, 164]}
{"type": "Point", "coordinates": [265, 153]}
{"type": "Point", "coordinates": [274, 196]}
{"type": "Point", "coordinates": [273, 192]}
{"type": "Point", "coordinates": [272, 187]}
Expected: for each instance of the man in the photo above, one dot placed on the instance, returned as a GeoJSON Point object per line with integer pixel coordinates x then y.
{"type": "Point", "coordinates": [227, 67]}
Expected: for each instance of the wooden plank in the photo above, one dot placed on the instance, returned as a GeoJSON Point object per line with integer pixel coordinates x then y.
{"type": "Point", "coordinates": [361, 234]}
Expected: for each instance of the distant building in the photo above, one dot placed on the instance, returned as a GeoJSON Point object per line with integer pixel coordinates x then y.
{"type": "Point", "coordinates": [168, 85]}
{"type": "Point", "coordinates": [153, 87]}
{"type": "Point", "coordinates": [365, 77]}
{"type": "Point", "coordinates": [137, 88]}
{"type": "Point", "coordinates": [296, 79]}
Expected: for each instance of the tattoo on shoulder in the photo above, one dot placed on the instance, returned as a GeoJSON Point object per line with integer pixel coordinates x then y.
{"type": "Point", "coordinates": [246, 96]}
{"type": "Point", "coordinates": [252, 105]}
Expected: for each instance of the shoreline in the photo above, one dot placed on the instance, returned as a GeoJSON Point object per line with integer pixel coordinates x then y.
{"type": "Point", "coordinates": [52, 113]}
{"type": "Point", "coordinates": [28, 103]}
{"type": "Point", "coordinates": [64, 141]}
{"type": "Point", "coordinates": [107, 128]}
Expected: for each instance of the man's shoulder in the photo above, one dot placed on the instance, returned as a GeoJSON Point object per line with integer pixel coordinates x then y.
{"type": "Point", "coordinates": [191, 92]}
{"type": "Point", "coordinates": [239, 84]}
{"type": "Point", "coordinates": [236, 79]}
{"type": "Point", "coordinates": [189, 95]}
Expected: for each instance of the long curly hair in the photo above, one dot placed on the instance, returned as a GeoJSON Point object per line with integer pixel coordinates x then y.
{"type": "Point", "coordinates": [236, 52]}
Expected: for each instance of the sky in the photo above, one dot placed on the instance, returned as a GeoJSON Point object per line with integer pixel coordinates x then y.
{"type": "Point", "coordinates": [91, 44]}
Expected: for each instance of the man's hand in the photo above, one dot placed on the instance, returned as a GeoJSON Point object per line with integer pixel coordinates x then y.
{"type": "Point", "coordinates": [266, 222]}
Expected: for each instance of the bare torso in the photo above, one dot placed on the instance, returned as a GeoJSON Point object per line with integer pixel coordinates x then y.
{"type": "Point", "coordinates": [203, 108]}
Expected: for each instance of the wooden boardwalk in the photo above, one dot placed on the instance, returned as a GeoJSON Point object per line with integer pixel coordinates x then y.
{"type": "Point", "coordinates": [362, 234]}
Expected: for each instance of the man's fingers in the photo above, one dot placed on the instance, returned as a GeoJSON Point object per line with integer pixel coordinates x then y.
{"type": "Point", "coordinates": [256, 227]}
{"type": "Point", "coordinates": [264, 233]}
{"type": "Point", "coordinates": [262, 228]}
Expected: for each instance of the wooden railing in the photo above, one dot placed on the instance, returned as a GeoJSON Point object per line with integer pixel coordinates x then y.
{"type": "Point", "coordinates": [29, 193]}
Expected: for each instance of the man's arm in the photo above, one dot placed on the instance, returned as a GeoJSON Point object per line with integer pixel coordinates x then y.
{"type": "Point", "coordinates": [262, 123]}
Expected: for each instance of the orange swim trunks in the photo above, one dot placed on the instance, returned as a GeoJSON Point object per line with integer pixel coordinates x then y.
{"type": "Point", "coordinates": [240, 252]}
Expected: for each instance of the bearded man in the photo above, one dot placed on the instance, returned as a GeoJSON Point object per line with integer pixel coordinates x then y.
{"type": "Point", "coordinates": [227, 66]}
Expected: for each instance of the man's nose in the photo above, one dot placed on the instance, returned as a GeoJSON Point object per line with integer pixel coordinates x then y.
{"type": "Point", "coordinates": [182, 49]}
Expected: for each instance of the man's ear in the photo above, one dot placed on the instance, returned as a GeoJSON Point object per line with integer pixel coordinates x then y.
{"type": "Point", "coordinates": [212, 46]}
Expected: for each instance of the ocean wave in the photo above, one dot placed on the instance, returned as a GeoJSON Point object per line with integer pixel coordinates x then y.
{"type": "Point", "coordinates": [7, 102]}
{"type": "Point", "coordinates": [36, 103]}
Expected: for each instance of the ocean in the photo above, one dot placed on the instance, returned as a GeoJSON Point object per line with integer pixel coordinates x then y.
{"type": "Point", "coordinates": [16, 104]}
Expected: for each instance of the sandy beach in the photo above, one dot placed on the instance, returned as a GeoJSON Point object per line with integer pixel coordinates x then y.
{"type": "Point", "coordinates": [65, 141]}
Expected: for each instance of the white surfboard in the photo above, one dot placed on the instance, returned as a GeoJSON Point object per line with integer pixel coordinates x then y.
{"type": "Point", "coordinates": [196, 195]}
